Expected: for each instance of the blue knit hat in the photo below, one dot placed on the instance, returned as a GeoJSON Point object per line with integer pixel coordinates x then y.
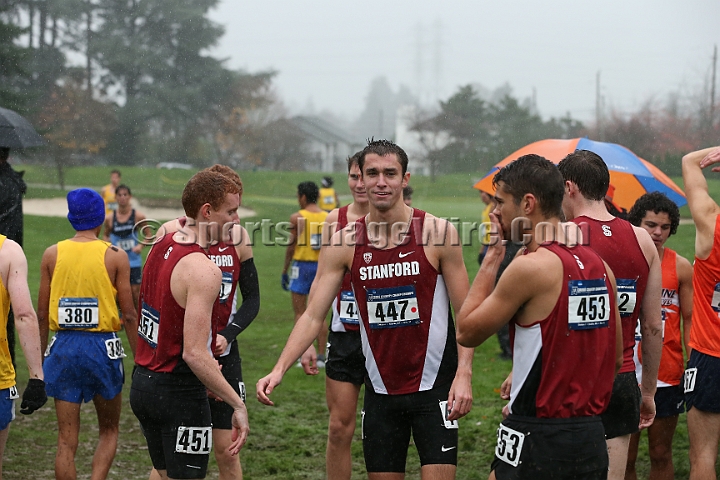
{"type": "Point", "coordinates": [86, 209]}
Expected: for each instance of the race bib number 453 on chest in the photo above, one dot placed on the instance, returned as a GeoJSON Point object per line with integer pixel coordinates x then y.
{"type": "Point", "coordinates": [588, 304]}
{"type": "Point", "coordinates": [392, 307]}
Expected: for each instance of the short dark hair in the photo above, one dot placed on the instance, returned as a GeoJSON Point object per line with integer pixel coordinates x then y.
{"type": "Point", "coordinates": [658, 203]}
{"type": "Point", "coordinates": [588, 171]}
{"type": "Point", "coordinates": [407, 192]}
{"type": "Point", "coordinates": [122, 186]}
{"type": "Point", "coordinates": [116, 171]}
{"type": "Point", "coordinates": [310, 190]}
{"type": "Point", "coordinates": [382, 148]}
{"type": "Point", "coordinates": [353, 159]}
{"type": "Point", "coordinates": [536, 175]}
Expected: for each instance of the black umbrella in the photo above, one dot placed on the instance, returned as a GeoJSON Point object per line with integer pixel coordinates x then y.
{"type": "Point", "coordinates": [16, 131]}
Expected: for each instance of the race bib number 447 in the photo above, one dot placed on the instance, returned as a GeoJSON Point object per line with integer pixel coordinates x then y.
{"type": "Point", "coordinates": [78, 313]}
{"type": "Point", "coordinates": [588, 304]}
{"type": "Point", "coordinates": [392, 307]}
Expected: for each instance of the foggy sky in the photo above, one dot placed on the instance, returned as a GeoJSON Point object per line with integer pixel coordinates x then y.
{"type": "Point", "coordinates": [328, 51]}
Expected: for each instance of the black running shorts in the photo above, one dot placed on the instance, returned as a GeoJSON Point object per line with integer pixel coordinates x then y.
{"type": "Point", "coordinates": [232, 371]}
{"type": "Point", "coordinates": [344, 359]}
{"type": "Point", "coordinates": [622, 416]}
{"type": "Point", "coordinates": [174, 417]}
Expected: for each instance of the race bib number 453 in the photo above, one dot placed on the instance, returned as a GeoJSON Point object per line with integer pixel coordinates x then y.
{"type": "Point", "coordinates": [588, 304]}
{"type": "Point", "coordinates": [78, 313]}
{"type": "Point", "coordinates": [392, 307]}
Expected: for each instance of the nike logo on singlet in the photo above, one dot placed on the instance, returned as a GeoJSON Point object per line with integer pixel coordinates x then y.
{"type": "Point", "coordinates": [403, 255]}
{"type": "Point", "coordinates": [223, 249]}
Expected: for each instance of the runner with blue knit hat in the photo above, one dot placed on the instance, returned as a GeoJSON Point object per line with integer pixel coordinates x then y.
{"type": "Point", "coordinates": [81, 281]}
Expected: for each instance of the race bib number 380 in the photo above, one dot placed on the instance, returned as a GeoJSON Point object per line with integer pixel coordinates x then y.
{"type": "Point", "coordinates": [78, 313]}
{"type": "Point", "coordinates": [588, 304]}
{"type": "Point", "coordinates": [392, 307]}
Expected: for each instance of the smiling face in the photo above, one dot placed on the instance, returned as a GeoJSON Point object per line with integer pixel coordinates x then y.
{"type": "Point", "coordinates": [357, 187]}
{"type": "Point", "coordinates": [384, 181]}
{"type": "Point", "coordinates": [658, 225]}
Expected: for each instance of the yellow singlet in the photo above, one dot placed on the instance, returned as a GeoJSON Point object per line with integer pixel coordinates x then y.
{"type": "Point", "coordinates": [82, 298]}
{"type": "Point", "coordinates": [108, 195]}
{"type": "Point", "coordinates": [7, 372]}
{"type": "Point", "coordinates": [327, 199]}
{"type": "Point", "coordinates": [309, 240]}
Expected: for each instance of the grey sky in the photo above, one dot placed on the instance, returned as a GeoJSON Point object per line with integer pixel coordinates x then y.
{"type": "Point", "coordinates": [328, 51]}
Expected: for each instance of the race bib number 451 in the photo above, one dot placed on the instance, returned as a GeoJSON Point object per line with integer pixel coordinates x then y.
{"type": "Point", "coordinates": [149, 325]}
{"type": "Point", "coordinates": [78, 313]}
{"type": "Point", "coordinates": [588, 304]}
{"type": "Point", "coordinates": [392, 307]}
{"type": "Point", "coordinates": [194, 440]}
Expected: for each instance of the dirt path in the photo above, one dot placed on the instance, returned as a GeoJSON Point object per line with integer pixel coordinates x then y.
{"type": "Point", "coordinates": [57, 207]}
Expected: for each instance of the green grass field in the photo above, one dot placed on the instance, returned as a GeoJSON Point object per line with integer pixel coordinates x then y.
{"type": "Point", "coordinates": [286, 441]}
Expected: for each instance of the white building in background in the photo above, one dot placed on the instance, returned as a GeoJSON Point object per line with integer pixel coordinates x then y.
{"type": "Point", "coordinates": [329, 145]}
{"type": "Point", "coordinates": [415, 144]}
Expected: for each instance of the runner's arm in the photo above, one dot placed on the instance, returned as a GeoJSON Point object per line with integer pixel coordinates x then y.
{"type": "Point", "coordinates": [250, 292]}
{"type": "Point", "coordinates": [47, 265]}
{"type": "Point", "coordinates": [199, 282]}
{"type": "Point", "coordinates": [292, 241]}
{"type": "Point", "coordinates": [332, 265]}
{"type": "Point", "coordinates": [456, 280]}
{"type": "Point", "coordinates": [26, 321]}
{"type": "Point", "coordinates": [685, 272]}
{"type": "Point", "coordinates": [702, 207]}
{"type": "Point", "coordinates": [618, 322]}
{"type": "Point", "coordinates": [650, 316]}
{"type": "Point", "coordinates": [107, 227]}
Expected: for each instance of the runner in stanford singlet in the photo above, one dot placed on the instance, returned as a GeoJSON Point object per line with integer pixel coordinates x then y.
{"type": "Point", "coordinates": [180, 299]}
{"type": "Point", "coordinates": [633, 258]}
{"type": "Point", "coordinates": [403, 286]}
{"type": "Point", "coordinates": [565, 330]}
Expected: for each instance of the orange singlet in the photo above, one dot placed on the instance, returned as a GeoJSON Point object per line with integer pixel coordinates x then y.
{"type": "Point", "coordinates": [705, 330]}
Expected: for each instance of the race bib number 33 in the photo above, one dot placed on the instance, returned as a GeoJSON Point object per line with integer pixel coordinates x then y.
{"type": "Point", "coordinates": [392, 307]}
{"type": "Point", "coordinates": [588, 304]}
{"type": "Point", "coordinates": [78, 313]}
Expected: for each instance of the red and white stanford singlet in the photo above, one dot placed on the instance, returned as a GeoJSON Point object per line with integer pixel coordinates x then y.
{"type": "Point", "coordinates": [617, 244]}
{"type": "Point", "coordinates": [226, 258]}
{"type": "Point", "coordinates": [345, 315]}
{"type": "Point", "coordinates": [564, 365]}
{"type": "Point", "coordinates": [161, 319]}
{"type": "Point", "coordinates": [407, 330]}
